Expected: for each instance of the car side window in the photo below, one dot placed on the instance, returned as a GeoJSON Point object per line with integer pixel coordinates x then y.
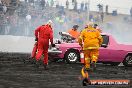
{"type": "Point", "coordinates": [105, 39]}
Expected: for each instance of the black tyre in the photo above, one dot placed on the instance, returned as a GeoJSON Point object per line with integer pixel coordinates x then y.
{"type": "Point", "coordinates": [72, 56]}
{"type": "Point", "coordinates": [128, 60]}
{"type": "Point", "coordinates": [114, 63]}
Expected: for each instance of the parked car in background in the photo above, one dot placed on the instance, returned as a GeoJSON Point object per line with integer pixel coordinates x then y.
{"type": "Point", "coordinates": [110, 51]}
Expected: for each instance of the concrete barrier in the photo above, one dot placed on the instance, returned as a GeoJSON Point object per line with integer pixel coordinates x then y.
{"type": "Point", "coordinates": [22, 44]}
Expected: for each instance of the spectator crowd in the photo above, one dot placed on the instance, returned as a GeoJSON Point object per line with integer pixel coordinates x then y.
{"type": "Point", "coordinates": [22, 18]}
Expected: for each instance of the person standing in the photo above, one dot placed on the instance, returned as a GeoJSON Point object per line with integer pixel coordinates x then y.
{"type": "Point", "coordinates": [86, 6]}
{"type": "Point", "coordinates": [67, 4]}
{"type": "Point", "coordinates": [106, 10]}
{"type": "Point", "coordinates": [43, 34]}
{"type": "Point", "coordinates": [75, 5]}
{"type": "Point", "coordinates": [73, 32]}
{"type": "Point", "coordinates": [131, 11]}
{"type": "Point", "coordinates": [51, 3]}
{"type": "Point", "coordinates": [28, 24]}
{"type": "Point", "coordinates": [102, 16]}
{"type": "Point", "coordinates": [90, 40]}
{"type": "Point", "coordinates": [82, 6]}
{"type": "Point", "coordinates": [42, 3]}
{"type": "Point", "coordinates": [97, 27]}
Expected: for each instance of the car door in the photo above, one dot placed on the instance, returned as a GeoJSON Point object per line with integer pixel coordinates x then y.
{"type": "Point", "coordinates": [104, 49]}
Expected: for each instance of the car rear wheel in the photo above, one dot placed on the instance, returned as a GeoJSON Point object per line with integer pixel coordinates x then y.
{"type": "Point", "coordinates": [112, 63]}
{"type": "Point", "coordinates": [128, 60]}
{"type": "Point", "coordinates": [72, 56]}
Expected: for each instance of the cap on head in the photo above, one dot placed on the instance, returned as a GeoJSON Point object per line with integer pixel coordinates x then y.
{"type": "Point", "coordinates": [86, 26]}
{"type": "Point", "coordinates": [90, 24]}
{"type": "Point", "coordinates": [95, 25]}
{"type": "Point", "coordinates": [75, 26]}
{"type": "Point", "coordinates": [49, 22]}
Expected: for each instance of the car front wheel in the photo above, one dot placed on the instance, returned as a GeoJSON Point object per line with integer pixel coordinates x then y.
{"type": "Point", "coordinates": [72, 56]}
{"type": "Point", "coordinates": [128, 60]}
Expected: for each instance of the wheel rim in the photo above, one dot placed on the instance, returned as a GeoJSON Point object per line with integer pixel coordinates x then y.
{"type": "Point", "coordinates": [129, 59]}
{"type": "Point", "coordinates": [72, 57]}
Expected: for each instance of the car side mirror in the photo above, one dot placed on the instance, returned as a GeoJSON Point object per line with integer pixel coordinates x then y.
{"type": "Point", "coordinates": [103, 45]}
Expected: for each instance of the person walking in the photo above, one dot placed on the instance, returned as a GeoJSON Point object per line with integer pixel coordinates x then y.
{"type": "Point", "coordinates": [43, 34]}
{"type": "Point", "coordinates": [90, 40]}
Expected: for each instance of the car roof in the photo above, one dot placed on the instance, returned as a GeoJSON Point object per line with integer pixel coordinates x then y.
{"type": "Point", "coordinates": [105, 34]}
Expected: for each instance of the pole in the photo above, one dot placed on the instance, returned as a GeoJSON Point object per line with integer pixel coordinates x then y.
{"type": "Point", "coordinates": [88, 10]}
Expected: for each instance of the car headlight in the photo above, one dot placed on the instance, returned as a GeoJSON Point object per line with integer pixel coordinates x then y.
{"type": "Point", "coordinates": [55, 48]}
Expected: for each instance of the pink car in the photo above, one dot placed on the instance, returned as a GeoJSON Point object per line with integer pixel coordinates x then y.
{"type": "Point", "coordinates": [110, 52]}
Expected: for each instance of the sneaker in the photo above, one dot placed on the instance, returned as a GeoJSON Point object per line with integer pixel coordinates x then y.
{"type": "Point", "coordinates": [33, 61]}
{"type": "Point", "coordinates": [86, 81]}
{"type": "Point", "coordinates": [93, 66]}
{"type": "Point", "coordinates": [45, 66]}
{"type": "Point", "coordinates": [37, 63]}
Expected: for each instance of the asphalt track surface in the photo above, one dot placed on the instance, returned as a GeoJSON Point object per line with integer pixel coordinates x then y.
{"type": "Point", "coordinates": [14, 73]}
